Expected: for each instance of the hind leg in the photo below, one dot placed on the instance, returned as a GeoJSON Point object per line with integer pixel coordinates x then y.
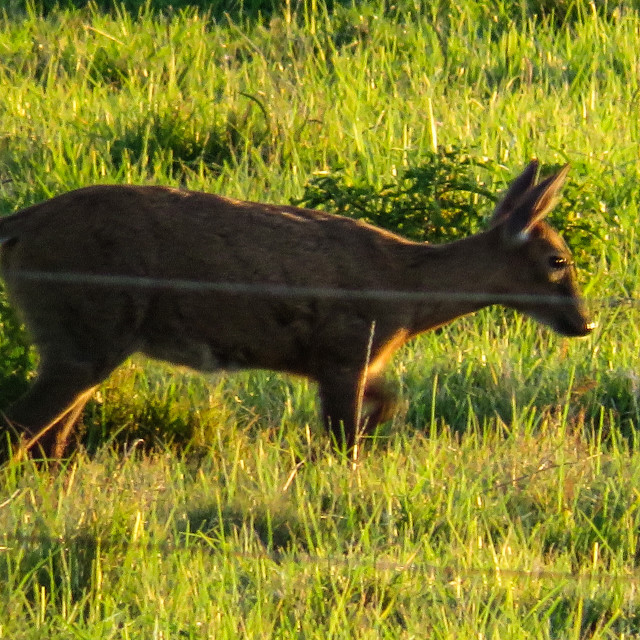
{"type": "Point", "coordinates": [44, 417]}
{"type": "Point", "coordinates": [81, 334]}
{"type": "Point", "coordinates": [67, 423]}
{"type": "Point", "coordinates": [378, 404]}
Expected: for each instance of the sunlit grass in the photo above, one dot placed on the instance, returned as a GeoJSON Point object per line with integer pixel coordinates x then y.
{"type": "Point", "coordinates": [502, 500]}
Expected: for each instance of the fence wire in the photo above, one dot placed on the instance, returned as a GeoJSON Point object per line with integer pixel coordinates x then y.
{"type": "Point", "coordinates": [279, 290]}
{"type": "Point", "coordinates": [451, 573]}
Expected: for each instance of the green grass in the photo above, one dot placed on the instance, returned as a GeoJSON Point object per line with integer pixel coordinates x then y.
{"type": "Point", "coordinates": [503, 499]}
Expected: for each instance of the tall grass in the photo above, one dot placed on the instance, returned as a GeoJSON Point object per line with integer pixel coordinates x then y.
{"type": "Point", "coordinates": [502, 500]}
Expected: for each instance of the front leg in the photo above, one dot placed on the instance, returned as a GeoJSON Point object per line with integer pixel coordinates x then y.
{"type": "Point", "coordinates": [353, 393]}
{"type": "Point", "coordinates": [339, 398]}
{"type": "Point", "coordinates": [353, 405]}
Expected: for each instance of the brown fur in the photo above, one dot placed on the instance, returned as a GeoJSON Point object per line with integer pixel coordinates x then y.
{"type": "Point", "coordinates": [84, 329]}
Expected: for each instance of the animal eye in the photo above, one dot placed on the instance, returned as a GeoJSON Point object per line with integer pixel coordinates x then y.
{"type": "Point", "coordinates": [557, 262]}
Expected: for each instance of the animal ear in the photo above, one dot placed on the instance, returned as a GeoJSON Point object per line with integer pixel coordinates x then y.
{"type": "Point", "coordinates": [533, 206]}
{"type": "Point", "coordinates": [516, 190]}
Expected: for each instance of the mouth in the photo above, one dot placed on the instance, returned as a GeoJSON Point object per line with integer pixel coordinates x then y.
{"type": "Point", "coordinates": [576, 326]}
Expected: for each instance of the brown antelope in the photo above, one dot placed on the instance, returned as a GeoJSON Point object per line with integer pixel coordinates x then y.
{"type": "Point", "coordinates": [213, 283]}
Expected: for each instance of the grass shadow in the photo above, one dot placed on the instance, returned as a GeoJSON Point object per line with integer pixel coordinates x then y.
{"type": "Point", "coordinates": [61, 568]}
{"type": "Point", "coordinates": [606, 406]}
{"type": "Point", "coordinates": [276, 530]}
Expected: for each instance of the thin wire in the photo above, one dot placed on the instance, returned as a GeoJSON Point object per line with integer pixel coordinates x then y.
{"type": "Point", "coordinates": [451, 572]}
{"type": "Point", "coordinates": [295, 291]}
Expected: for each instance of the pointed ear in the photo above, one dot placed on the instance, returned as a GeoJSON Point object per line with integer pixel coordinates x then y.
{"type": "Point", "coordinates": [534, 206]}
{"type": "Point", "coordinates": [516, 190]}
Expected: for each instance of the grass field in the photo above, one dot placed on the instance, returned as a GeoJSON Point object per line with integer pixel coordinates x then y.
{"type": "Point", "coordinates": [503, 501]}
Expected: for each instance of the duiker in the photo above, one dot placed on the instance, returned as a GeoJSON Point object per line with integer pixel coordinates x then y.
{"type": "Point", "coordinates": [212, 283]}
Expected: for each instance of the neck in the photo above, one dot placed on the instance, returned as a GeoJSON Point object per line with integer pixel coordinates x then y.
{"type": "Point", "coordinates": [463, 277]}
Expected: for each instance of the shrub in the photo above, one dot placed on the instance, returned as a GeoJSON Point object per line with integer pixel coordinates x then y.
{"type": "Point", "coordinates": [16, 357]}
{"type": "Point", "coordinates": [435, 201]}
{"type": "Point", "coordinates": [443, 199]}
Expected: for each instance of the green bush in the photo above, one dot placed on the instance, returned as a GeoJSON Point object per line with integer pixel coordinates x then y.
{"type": "Point", "coordinates": [444, 199]}
{"type": "Point", "coordinates": [436, 201]}
{"type": "Point", "coordinates": [16, 357]}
